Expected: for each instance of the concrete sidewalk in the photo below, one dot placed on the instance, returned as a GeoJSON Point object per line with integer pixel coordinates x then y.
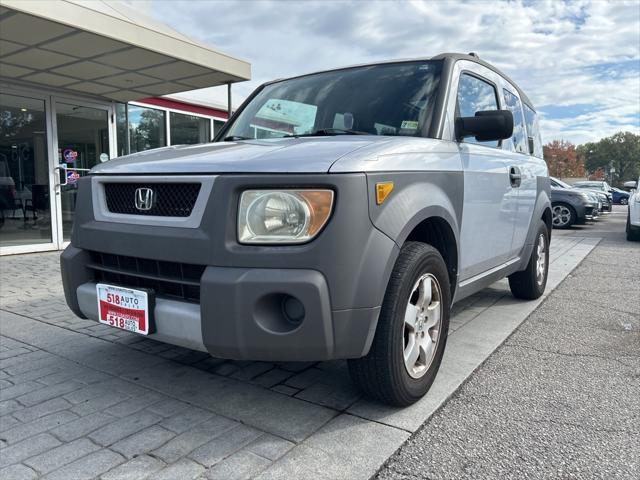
{"type": "Point", "coordinates": [80, 400]}
{"type": "Point", "coordinates": [561, 398]}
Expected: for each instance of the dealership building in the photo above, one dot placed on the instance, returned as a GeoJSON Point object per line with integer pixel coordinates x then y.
{"type": "Point", "coordinates": [84, 82]}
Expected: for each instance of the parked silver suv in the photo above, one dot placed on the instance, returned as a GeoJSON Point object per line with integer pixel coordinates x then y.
{"type": "Point", "coordinates": [338, 215]}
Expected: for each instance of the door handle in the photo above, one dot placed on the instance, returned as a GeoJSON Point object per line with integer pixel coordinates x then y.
{"type": "Point", "coordinates": [65, 169]}
{"type": "Point", "coordinates": [57, 186]}
{"type": "Point", "coordinates": [515, 177]}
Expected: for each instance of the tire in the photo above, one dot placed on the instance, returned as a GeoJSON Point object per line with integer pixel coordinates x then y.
{"type": "Point", "coordinates": [564, 215]}
{"type": "Point", "coordinates": [633, 233]}
{"type": "Point", "coordinates": [530, 283]}
{"type": "Point", "coordinates": [624, 201]}
{"type": "Point", "coordinates": [383, 373]}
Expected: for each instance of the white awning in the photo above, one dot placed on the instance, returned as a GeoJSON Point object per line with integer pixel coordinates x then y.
{"type": "Point", "coordinates": [105, 49]}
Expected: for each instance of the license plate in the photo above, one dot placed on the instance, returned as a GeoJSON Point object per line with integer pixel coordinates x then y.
{"type": "Point", "coordinates": [124, 308]}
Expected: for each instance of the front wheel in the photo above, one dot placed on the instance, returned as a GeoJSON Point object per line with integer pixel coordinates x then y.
{"type": "Point", "coordinates": [530, 283]}
{"type": "Point", "coordinates": [412, 330]}
{"type": "Point", "coordinates": [624, 201]}
{"type": "Point", "coordinates": [563, 215]}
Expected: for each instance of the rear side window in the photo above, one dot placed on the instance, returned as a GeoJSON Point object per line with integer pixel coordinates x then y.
{"type": "Point", "coordinates": [533, 131]}
{"type": "Point", "coordinates": [519, 137]}
{"type": "Point", "coordinates": [476, 95]}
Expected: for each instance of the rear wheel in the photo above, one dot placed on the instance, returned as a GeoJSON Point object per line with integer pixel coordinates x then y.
{"type": "Point", "coordinates": [624, 201]}
{"type": "Point", "coordinates": [412, 329]}
{"type": "Point", "coordinates": [633, 233]}
{"type": "Point", "coordinates": [563, 215]}
{"type": "Point", "coordinates": [530, 283]}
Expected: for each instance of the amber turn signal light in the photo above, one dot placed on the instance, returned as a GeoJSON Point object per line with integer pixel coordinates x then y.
{"type": "Point", "coordinates": [383, 189]}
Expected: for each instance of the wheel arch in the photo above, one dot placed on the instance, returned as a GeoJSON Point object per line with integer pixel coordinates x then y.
{"type": "Point", "coordinates": [425, 207]}
{"type": "Point", "coordinates": [541, 212]}
{"type": "Point", "coordinates": [437, 232]}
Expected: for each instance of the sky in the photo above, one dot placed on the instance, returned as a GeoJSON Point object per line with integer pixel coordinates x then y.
{"type": "Point", "coordinates": [578, 61]}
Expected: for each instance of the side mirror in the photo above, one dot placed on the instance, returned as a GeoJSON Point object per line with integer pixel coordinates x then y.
{"type": "Point", "coordinates": [486, 125]}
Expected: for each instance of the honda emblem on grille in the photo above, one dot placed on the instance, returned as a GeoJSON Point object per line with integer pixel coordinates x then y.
{"type": "Point", "coordinates": [144, 199]}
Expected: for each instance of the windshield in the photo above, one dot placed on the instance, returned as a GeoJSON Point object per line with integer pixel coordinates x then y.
{"type": "Point", "coordinates": [387, 99]}
{"type": "Point", "coordinates": [559, 183]}
{"type": "Point", "coordinates": [592, 186]}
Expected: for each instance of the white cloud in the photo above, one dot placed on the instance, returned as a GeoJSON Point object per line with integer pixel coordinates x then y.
{"type": "Point", "coordinates": [563, 54]}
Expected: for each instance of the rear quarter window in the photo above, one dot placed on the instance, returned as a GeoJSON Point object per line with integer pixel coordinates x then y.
{"type": "Point", "coordinates": [518, 141]}
{"type": "Point", "coordinates": [533, 131]}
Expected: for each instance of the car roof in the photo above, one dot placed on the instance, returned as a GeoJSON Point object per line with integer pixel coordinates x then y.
{"type": "Point", "coordinates": [471, 57]}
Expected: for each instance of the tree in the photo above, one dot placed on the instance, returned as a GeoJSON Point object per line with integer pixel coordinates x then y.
{"type": "Point", "coordinates": [620, 152]}
{"type": "Point", "coordinates": [562, 159]}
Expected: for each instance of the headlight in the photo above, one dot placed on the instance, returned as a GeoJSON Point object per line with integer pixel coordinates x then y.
{"type": "Point", "coordinates": [283, 216]}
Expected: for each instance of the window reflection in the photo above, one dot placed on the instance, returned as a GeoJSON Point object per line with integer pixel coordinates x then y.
{"type": "Point", "coordinates": [533, 130]}
{"type": "Point", "coordinates": [475, 95]}
{"type": "Point", "coordinates": [25, 213]}
{"type": "Point", "coordinates": [519, 138]}
{"type": "Point", "coordinates": [189, 129]}
{"type": "Point", "coordinates": [146, 128]}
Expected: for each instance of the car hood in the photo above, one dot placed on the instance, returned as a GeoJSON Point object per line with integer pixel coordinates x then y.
{"type": "Point", "coordinates": [574, 192]}
{"type": "Point", "coordinates": [282, 155]}
{"type": "Point", "coordinates": [599, 193]}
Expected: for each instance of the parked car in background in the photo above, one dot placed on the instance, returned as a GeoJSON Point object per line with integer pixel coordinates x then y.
{"type": "Point", "coordinates": [599, 187]}
{"type": "Point", "coordinates": [600, 197]}
{"type": "Point", "coordinates": [570, 206]}
{"type": "Point", "coordinates": [337, 215]}
{"type": "Point", "coordinates": [633, 214]}
{"type": "Point", "coordinates": [620, 196]}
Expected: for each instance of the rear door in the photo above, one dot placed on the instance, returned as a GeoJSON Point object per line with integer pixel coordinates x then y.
{"type": "Point", "coordinates": [522, 164]}
{"type": "Point", "coordinates": [489, 200]}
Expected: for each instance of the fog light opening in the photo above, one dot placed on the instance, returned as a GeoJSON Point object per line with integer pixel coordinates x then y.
{"type": "Point", "coordinates": [293, 310]}
{"type": "Point", "coordinates": [279, 313]}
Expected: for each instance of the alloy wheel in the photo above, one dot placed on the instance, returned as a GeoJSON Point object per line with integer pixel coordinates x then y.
{"type": "Point", "coordinates": [422, 325]}
{"type": "Point", "coordinates": [561, 216]}
{"type": "Point", "coordinates": [541, 261]}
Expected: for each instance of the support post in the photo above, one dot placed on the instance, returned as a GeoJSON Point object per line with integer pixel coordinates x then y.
{"type": "Point", "coordinates": [230, 109]}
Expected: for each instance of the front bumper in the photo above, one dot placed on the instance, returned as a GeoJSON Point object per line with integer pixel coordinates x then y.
{"type": "Point", "coordinates": [339, 278]}
{"type": "Point", "coordinates": [244, 307]}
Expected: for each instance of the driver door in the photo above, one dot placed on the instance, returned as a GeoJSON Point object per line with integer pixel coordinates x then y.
{"type": "Point", "coordinates": [490, 202]}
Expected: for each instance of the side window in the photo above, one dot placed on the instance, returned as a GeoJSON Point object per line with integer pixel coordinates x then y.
{"type": "Point", "coordinates": [533, 131]}
{"type": "Point", "coordinates": [475, 95]}
{"type": "Point", "coordinates": [519, 137]}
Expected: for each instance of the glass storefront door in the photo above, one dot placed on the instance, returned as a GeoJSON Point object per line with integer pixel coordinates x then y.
{"type": "Point", "coordinates": [25, 203]}
{"type": "Point", "coordinates": [83, 142]}
{"type": "Point", "coordinates": [46, 144]}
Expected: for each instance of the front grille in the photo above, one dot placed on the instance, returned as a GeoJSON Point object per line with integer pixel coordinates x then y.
{"type": "Point", "coordinates": [174, 280]}
{"type": "Point", "coordinates": [169, 199]}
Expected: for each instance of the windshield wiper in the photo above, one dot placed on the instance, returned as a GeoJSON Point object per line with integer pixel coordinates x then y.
{"type": "Point", "coordinates": [233, 138]}
{"type": "Point", "coordinates": [330, 131]}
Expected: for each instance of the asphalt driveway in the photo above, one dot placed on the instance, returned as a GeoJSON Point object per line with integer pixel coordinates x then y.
{"type": "Point", "coordinates": [561, 397]}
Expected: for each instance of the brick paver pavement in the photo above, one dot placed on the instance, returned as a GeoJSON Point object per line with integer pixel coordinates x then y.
{"type": "Point", "coordinates": [83, 400]}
